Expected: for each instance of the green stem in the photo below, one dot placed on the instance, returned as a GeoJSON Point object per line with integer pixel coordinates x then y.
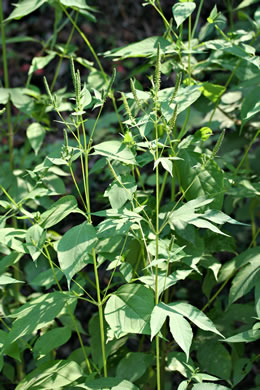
{"type": "Point", "coordinates": [57, 71]}
{"type": "Point", "coordinates": [246, 153]}
{"type": "Point", "coordinates": [6, 82]}
{"type": "Point", "coordinates": [100, 312]}
{"type": "Point", "coordinates": [226, 85]}
{"type": "Point", "coordinates": [197, 19]}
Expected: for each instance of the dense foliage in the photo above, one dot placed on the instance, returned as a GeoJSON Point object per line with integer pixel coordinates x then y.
{"type": "Point", "coordinates": [129, 220]}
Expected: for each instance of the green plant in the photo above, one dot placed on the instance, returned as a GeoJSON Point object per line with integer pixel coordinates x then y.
{"type": "Point", "coordinates": [160, 245]}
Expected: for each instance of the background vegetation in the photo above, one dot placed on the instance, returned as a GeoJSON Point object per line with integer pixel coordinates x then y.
{"type": "Point", "coordinates": [129, 182]}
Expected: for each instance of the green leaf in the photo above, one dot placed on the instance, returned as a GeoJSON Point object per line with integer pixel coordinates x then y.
{"type": "Point", "coordinates": [109, 384]}
{"type": "Point", "coordinates": [251, 255]}
{"type": "Point", "coordinates": [246, 3]}
{"type": "Point", "coordinates": [242, 367]}
{"type": "Point", "coordinates": [257, 299]}
{"type": "Point", "coordinates": [181, 332]}
{"type": "Point", "coordinates": [115, 150]}
{"type": "Point", "coordinates": [145, 48]}
{"type": "Point", "coordinates": [76, 3]}
{"type": "Point", "coordinates": [180, 328]}
{"type": "Point", "coordinates": [219, 217]}
{"type": "Point", "coordinates": [194, 315]}
{"type": "Point", "coordinates": [74, 249]}
{"type": "Point", "coordinates": [46, 278]}
{"type": "Point", "coordinates": [6, 279]}
{"type": "Point", "coordinates": [245, 337]}
{"type": "Point", "coordinates": [36, 314]}
{"type": "Point", "coordinates": [40, 62]}
{"type": "Point", "coordinates": [35, 133]}
{"type": "Point", "coordinates": [58, 211]}
{"type": "Point", "coordinates": [186, 96]}
{"type": "Point", "coordinates": [55, 374]}
{"type": "Point", "coordinates": [214, 359]}
{"type": "Point", "coordinates": [128, 310]}
{"type": "Point", "coordinates": [119, 194]}
{"type": "Point", "coordinates": [209, 386]}
{"type": "Point", "coordinates": [165, 282]}
{"type": "Point", "coordinates": [244, 281]}
{"type": "Point", "coordinates": [166, 163]}
{"type": "Point", "coordinates": [133, 365]}
{"type": "Point", "coordinates": [206, 182]}
{"type": "Point", "coordinates": [250, 107]}
{"type": "Point", "coordinates": [51, 340]}
{"type": "Point", "coordinates": [183, 385]}
{"type": "Point", "coordinates": [181, 11]}
{"type": "Point", "coordinates": [212, 91]}
{"type": "Point", "coordinates": [25, 7]}
{"type": "Point", "coordinates": [35, 239]}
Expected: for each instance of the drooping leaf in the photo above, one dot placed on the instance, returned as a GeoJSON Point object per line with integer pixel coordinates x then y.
{"type": "Point", "coordinates": [128, 310]}
{"type": "Point", "coordinates": [181, 11]}
{"type": "Point", "coordinates": [25, 7]}
{"type": "Point", "coordinates": [74, 249]}
{"type": "Point", "coordinates": [35, 134]}
{"type": "Point", "coordinates": [115, 150]}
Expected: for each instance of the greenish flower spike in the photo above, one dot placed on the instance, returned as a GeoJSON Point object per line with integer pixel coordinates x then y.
{"type": "Point", "coordinates": [133, 89]}
{"type": "Point", "coordinates": [218, 144]}
{"type": "Point", "coordinates": [127, 108]}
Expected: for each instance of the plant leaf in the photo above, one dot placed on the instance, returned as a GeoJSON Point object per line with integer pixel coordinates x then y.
{"type": "Point", "coordinates": [54, 374]}
{"type": "Point", "coordinates": [36, 314]}
{"type": "Point", "coordinates": [128, 310]}
{"type": "Point", "coordinates": [25, 7]}
{"type": "Point", "coordinates": [115, 150]}
{"type": "Point", "coordinates": [244, 281]}
{"type": "Point", "coordinates": [144, 48]}
{"type": "Point", "coordinates": [193, 314]}
{"type": "Point", "coordinates": [35, 133]}
{"type": "Point", "coordinates": [209, 386]}
{"type": "Point", "coordinates": [74, 249]}
{"type": "Point", "coordinates": [133, 365]}
{"type": "Point", "coordinates": [51, 340]}
{"type": "Point", "coordinates": [58, 211]}
{"type": "Point", "coordinates": [181, 11]}
{"type": "Point", "coordinates": [245, 337]}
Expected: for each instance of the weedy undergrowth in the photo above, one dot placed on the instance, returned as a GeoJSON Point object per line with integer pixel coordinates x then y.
{"type": "Point", "coordinates": [156, 279]}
